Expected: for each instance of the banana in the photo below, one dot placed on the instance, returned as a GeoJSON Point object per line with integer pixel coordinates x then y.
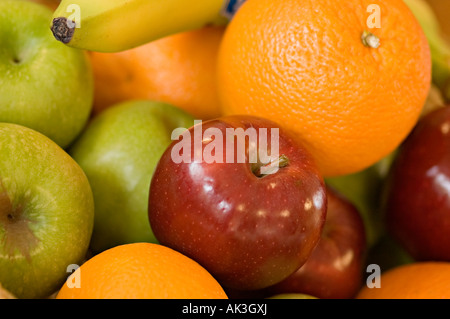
{"type": "Point", "coordinates": [118, 25]}
{"type": "Point", "coordinates": [439, 46]}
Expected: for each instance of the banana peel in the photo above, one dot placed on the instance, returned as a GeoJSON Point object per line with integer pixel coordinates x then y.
{"type": "Point", "coordinates": [119, 25]}
{"type": "Point", "coordinates": [439, 46]}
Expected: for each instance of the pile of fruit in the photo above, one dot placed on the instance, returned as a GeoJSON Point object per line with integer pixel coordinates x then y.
{"type": "Point", "coordinates": [224, 149]}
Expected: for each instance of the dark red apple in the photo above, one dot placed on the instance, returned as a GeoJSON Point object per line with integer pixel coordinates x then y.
{"type": "Point", "coordinates": [417, 192]}
{"type": "Point", "coordinates": [248, 225]}
{"type": "Point", "coordinates": [336, 266]}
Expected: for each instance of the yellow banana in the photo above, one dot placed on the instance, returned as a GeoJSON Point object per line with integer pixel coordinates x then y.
{"type": "Point", "coordinates": [439, 46]}
{"type": "Point", "coordinates": [118, 25]}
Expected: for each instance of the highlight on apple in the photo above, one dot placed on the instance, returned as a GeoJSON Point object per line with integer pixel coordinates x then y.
{"type": "Point", "coordinates": [208, 146]}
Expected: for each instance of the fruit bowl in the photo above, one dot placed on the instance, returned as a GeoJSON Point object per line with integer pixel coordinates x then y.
{"type": "Point", "coordinates": [248, 150]}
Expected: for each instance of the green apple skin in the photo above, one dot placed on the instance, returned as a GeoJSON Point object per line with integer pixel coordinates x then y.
{"type": "Point", "coordinates": [363, 189]}
{"type": "Point", "coordinates": [118, 152]}
{"type": "Point", "coordinates": [44, 84]}
{"type": "Point", "coordinates": [46, 213]}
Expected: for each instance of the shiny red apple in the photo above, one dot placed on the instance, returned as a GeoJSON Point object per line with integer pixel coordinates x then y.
{"type": "Point", "coordinates": [336, 266]}
{"type": "Point", "coordinates": [417, 192]}
{"type": "Point", "coordinates": [250, 223]}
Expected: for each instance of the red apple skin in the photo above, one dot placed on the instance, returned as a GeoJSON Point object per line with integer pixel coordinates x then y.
{"type": "Point", "coordinates": [335, 268]}
{"type": "Point", "coordinates": [248, 232]}
{"type": "Point", "coordinates": [417, 192]}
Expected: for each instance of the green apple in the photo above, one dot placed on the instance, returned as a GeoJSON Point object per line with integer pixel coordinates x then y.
{"type": "Point", "coordinates": [119, 151]}
{"type": "Point", "coordinates": [46, 213]}
{"type": "Point", "coordinates": [44, 84]}
{"type": "Point", "coordinates": [363, 189]}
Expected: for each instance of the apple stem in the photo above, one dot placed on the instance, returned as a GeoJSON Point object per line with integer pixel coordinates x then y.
{"type": "Point", "coordinates": [271, 167]}
{"type": "Point", "coordinates": [370, 40]}
{"type": "Point", "coordinates": [63, 29]}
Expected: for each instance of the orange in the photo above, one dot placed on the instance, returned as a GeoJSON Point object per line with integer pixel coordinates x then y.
{"type": "Point", "coordinates": [304, 65]}
{"type": "Point", "coordinates": [418, 280]}
{"type": "Point", "coordinates": [179, 69]}
{"type": "Point", "coordinates": [141, 271]}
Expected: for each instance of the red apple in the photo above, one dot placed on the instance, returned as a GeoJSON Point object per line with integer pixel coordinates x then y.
{"type": "Point", "coordinates": [249, 230]}
{"type": "Point", "coordinates": [336, 266]}
{"type": "Point", "coordinates": [417, 192]}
